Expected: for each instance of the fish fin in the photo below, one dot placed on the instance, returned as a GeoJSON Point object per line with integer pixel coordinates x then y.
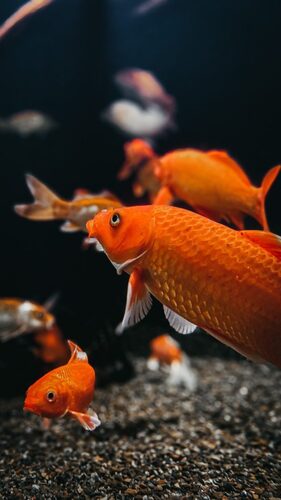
{"type": "Point", "coordinates": [109, 195]}
{"type": "Point", "coordinates": [237, 219]}
{"type": "Point", "coordinates": [266, 184]}
{"type": "Point", "coordinates": [269, 241]}
{"type": "Point", "coordinates": [51, 301]}
{"type": "Point", "coordinates": [163, 197]}
{"type": "Point", "coordinates": [177, 322]}
{"type": "Point", "coordinates": [76, 353]}
{"type": "Point", "coordinates": [153, 363]}
{"type": "Point", "coordinates": [44, 201]}
{"type": "Point", "coordinates": [224, 158]}
{"type": "Point", "coordinates": [138, 302]}
{"type": "Point", "coordinates": [208, 213]}
{"type": "Point", "coordinates": [7, 335]}
{"type": "Point", "coordinates": [69, 227]}
{"type": "Point", "coordinates": [46, 423]}
{"type": "Point", "coordinates": [181, 373]}
{"type": "Point", "coordinates": [90, 421]}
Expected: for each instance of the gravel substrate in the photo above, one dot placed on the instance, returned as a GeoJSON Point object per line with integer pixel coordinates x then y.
{"type": "Point", "coordinates": [155, 441]}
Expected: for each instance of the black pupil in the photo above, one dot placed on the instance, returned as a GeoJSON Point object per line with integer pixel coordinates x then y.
{"type": "Point", "coordinates": [115, 218]}
{"type": "Point", "coordinates": [51, 396]}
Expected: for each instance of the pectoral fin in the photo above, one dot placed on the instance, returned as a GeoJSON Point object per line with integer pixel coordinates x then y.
{"type": "Point", "coordinates": [138, 301]}
{"type": "Point", "coordinates": [69, 227]}
{"type": "Point", "coordinates": [89, 421]}
{"type": "Point", "coordinates": [180, 324]}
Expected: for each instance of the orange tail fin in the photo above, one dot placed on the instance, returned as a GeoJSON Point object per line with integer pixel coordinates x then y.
{"type": "Point", "coordinates": [44, 202]}
{"type": "Point", "coordinates": [266, 184]}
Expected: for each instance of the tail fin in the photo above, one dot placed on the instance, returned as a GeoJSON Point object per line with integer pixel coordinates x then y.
{"type": "Point", "coordinates": [267, 182]}
{"type": "Point", "coordinates": [44, 201]}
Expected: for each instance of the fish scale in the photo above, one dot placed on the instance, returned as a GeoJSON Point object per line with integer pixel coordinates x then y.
{"type": "Point", "coordinates": [198, 280]}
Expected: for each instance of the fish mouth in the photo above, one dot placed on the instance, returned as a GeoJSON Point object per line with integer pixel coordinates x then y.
{"type": "Point", "coordinates": [29, 407]}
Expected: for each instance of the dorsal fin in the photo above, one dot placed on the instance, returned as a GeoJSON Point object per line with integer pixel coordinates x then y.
{"type": "Point", "coordinates": [269, 241]}
{"type": "Point", "coordinates": [76, 353]}
{"type": "Point", "coordinates": [224, 158]}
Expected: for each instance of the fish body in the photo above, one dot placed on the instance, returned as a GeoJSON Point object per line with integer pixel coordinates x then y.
{"type": "Point", "coordinates": [26, 123]}
{"type": "Point", "coordinates": [136, 121]}
{"type": "Point", "coordinates": [139, 159]}
{"type": "Point", "coordinates": [51, 347]}
{"type": "Point", "coordinates": [205, 274]}
{"type": "Point", "coordinates": [48, 206]}
{"type": "Point", "coordinates": [143, 85]}
{"type": "Point", "coordinates": [18, 316]}
{"type": "Point", "coordinates": [66, 390]}
{"type": "Point", "coordinates": [213, 184]}
{"type": "Point", "coordinates": [22, 13]}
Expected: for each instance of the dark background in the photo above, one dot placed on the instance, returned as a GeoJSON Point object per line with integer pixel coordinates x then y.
{"type": "Point", "coordinates": [221, 60]}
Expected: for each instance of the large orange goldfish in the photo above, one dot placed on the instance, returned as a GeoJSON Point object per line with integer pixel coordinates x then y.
{"type": "Point", "coordinates": [213, 184]}
{"type": "Point", "coordinates": [67, 390]}
{"type": "Point", "coordinates": [48, 206]}
{"type": "Point", "coordinates": [205, 274]}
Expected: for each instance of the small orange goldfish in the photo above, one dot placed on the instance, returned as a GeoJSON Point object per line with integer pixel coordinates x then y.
{"type": "Point", "coordinates": [48, 206]}
{"type": "Point", "coordinates": [165, 350]}
{"type": "Point", "coordinates": [67, 390]}
{"type": "Point", "coordinates": [22, 13]}
{"type": "Point", "coordinates": [140, 157]}
{"type": "Point", "coordinates": [213, 184]}
{"type": "Point", "coordinates": [51, 346]}
{"type": "Point", "coordinates": [205, 274]}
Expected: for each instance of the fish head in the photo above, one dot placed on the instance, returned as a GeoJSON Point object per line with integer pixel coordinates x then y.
{"type": "Point", "coordinates": [48, 397]}
{"type": "Point", "coordinates": [35, 316]}
{"type": "Point", "coordinates": [136, 151]}
{"type": "Point", "coordinates": [125, 234]}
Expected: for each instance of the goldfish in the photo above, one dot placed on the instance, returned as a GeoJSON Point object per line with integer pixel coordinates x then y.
{"type": "Point", "coordinates": [136, 121]}
{"type": "Point", "coordinates": [51, 346]}
{"type": "Point", "coordinates": [140, 157]}
{"type": "Point", "coordinates": [19, 316]}
{"type": "Point", "coordinates": [144, 86]}
{"type": "Point", "coordinates": [23, 12]}
{"type": "Point", "coordinates": [48, 206]}
{"type": "Point", "coordinates": [66, 390]}
{"type": "Point", "coordinates": [213, 184]}
{"type": "Point", "coordinates": [27, 123]}
{"type": "Point", "coordinates": [165, 350]}
{"type": "Point", "coordinates": [205, 274]}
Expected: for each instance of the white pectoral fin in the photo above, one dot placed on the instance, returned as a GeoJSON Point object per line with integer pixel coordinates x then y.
{"type": "Point", "coordinates": [138, 302]}
{"type": "Point", "coordinates": [69, 227]}
{"type": "Point", "coordinates": [177, 322]}
{"type": "Point", "coordinates": [90, 421]}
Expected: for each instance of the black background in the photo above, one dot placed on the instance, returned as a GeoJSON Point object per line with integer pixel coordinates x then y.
{"type": "Point", "coordinates": [221, 60]}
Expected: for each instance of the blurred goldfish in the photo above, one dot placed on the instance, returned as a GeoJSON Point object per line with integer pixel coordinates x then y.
{"type": "Point", "coordinates": [147, 6]}
{"type": "Point", "coordinates": [165, 350]}
{"type": "Point", "coordinates": [213, 184]}
{"type": "Point", "coordinates": [24, 11]}
{"type": "Point", "coordinates": [27, 123]}
{"type": "Point", "coordinates": [19, 316]}
{"type": "Point", "coordinates": [48, 206]}
{"type": "Point", "coordinates": [51, 346]}
{"type": "Point", "coordinates": [136, 121]}
{"type": "Point", "coordinates": [205, 274]}
{"type": "Point", "coordinates": [140, 157]}
{"type": "Point", "coordinates": [66, 390]}
{"type": "Point", "coordinates": [143, 85]}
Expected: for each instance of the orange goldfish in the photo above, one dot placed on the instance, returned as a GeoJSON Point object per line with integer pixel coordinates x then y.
{"type": "Point", "coordinates": [19, 316]}
{"type": "Point", "coordinates": [48, 206]}
{"type": "Point", "coordinates": [205, 274]}
{"type": "Point", "coordinates": [67, 390]}
{"type": "Point", "coordinates": [140, 157]}
{"type": "Point", "coordinates": [24, 11]}
{"type": "Point", "coordinates": [51, 346]}
{"type": "Point", "coordinates": [165, 350]}
{"type": "Point", "coordinates": [213, 184]}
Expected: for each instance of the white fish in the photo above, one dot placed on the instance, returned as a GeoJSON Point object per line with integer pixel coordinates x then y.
{"type": "Point", "coordinates": [24, 11]}
{"type": "Point", "coordinates": [26, 123]}
{"type": "Point", "coordinates": [136, 121]}
{"type": "Point", "coordinates": [147, 6]}
{"type": "Point", "coordinates": [144, 86]}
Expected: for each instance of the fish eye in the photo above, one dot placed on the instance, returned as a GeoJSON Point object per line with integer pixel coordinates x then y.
{"type": "Point", "coordinates": [115, 219]}
{"type": "Point", "coordinates": [39, 315]}
{"type": "Point", "coordinates": [51, 396]}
